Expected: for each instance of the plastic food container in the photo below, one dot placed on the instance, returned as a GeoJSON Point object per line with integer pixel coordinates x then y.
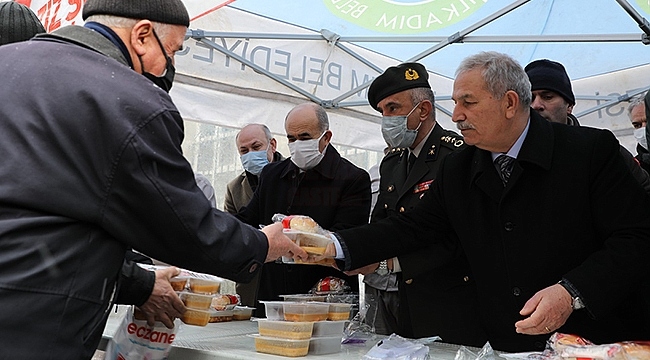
{"type": "Point", "coordinates": [284, 347]}
{"type": "Point", "coordinates": [225, 301]}
{"type": "Point", "coordinates": [196, 301]}
{"type": "Point", "coordinates": [307, 311]}
{"type": "Point", "coordinates": [178, 283]}
{"type": "Point", "coordinates": [242, 312]}
{"type": "Point", "coordinates": [220, 315]}
{"type": "Point", "coordinates": [274, 309]}
{"type": "Point", "coordinates": [304, 297]}
{"type": "Point", "coordinates": [315, 244]}
{"type": "Point", "coordinates": [339, 311]}
{"type": "Point", "coordinates": [196, 317]}
{"type": "Point", "coordinates": [328, 328]}
{"type": "Point", "coordinates": [325, 345]}
{"type": "Point", "coordinates": [285, 329]}
{"type": "Point", "coordinates": [201, 286]}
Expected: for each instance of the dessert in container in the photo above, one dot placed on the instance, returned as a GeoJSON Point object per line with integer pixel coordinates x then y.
{"type": "Point", "coordinates": [220, 315]}
{"type": "Point", "coordinates": [178, 283]}
{"type": "Point", "coordinates": [306, 311]}
{"type": "Point", "coordinates": [325, 345]}
{"type": "Point", "coordinates": [196, 317]}
{"type": "Point", "coordinates": [242, 312]}
{"type": "Point", "coordinates": [283, 347]}
{"type": "Point", "coordinates": [314, 244]}
{"type": "Point", "coordinates": [339, 311]}
{"type": "Point", "coordinates": [274, 309]}
{"type": "Point", "coordinates": [328, 328]}
{"type": "Point", "coordinates": [196, 301]}
{"type": "Point", "coordinates": [285, 329]}
{"type": "Point", "coordinates": [202, 286]}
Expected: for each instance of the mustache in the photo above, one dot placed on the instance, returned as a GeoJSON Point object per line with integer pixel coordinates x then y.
{"type": "Point", "coordinates": [464, 125]}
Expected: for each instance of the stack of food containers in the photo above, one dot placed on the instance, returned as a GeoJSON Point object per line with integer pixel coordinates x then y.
{"type": "Point", "coordinates": [300, 328]}
{"type": "Point", "coordinates": [197, 295]}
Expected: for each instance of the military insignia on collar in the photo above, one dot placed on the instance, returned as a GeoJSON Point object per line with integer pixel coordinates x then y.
{"type": "Point", "coordinates": [432, 151]}
{"type": "Point", "coordinates": [411, 74]}
{"type": "Point", "coordinates": [452, 140]}
{"type": "Point", "coordinates": [423, 186]}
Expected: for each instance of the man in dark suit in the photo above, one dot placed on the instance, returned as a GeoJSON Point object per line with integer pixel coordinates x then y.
{"type": "Point", "coordinates": [418, 145]}
{"type": "Point", "coordinates": [557, 236]}
{"type": "Point", "coordinates": [316, 181]}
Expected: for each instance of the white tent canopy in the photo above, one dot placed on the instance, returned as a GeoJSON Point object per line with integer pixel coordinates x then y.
{"type": "Point", "coordinates": [249, 61]}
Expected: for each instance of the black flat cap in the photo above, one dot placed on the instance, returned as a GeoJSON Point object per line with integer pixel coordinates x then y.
{"type": "Point", "coordinates": [163, 11]}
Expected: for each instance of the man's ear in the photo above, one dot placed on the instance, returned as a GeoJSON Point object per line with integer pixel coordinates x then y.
{"type": "Point", "coordinates": [274, 144]}
{"type": "Point", "coordinates": [569, 109]}
{"type": "Point", "coordinates": [141, 36]}
{"type": "Point", "coordinates": [510, 103]}
{"type": "Point", "coordinates": [425, 109]}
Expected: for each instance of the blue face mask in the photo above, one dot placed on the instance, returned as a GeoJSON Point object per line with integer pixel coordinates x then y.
{"type": "Point", "coordinates": [254, 161]}
{"type": "Point", "coordinates": [395, 132]}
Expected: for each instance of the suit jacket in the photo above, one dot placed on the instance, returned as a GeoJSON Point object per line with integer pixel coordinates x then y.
{"type": "Point", "coordinates": [336, 194]}
{"type": "Point", "coordinates": [239, 190]}
{"type": "Point", "coordinates": [571, 209]}
{"type": "Point", "coordinates": [238, 194]}
{"type": "Point", "coordinates": [423, 283]}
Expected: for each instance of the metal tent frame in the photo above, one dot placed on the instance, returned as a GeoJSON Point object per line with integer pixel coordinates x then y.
{"type": "Point", "coordinates": [462, 36]}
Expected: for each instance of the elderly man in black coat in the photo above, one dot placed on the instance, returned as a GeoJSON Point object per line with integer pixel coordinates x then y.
{"type": "Point", "coordinates": [315, 181]}
{"type": "Point", "coordinates": [557, 236]}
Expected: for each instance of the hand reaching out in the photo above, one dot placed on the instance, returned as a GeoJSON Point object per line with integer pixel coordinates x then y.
{"type": "Point", "coordinates": [281, 245]}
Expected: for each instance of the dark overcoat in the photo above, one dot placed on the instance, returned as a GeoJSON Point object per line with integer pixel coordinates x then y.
{"type": "Point", "coordinates": [336, 194]}
{"type": "Point", "coordinates": [570, 209]}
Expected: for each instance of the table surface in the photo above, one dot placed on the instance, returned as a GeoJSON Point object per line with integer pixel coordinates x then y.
{"type": "Point", "coordinates": [230, 340]}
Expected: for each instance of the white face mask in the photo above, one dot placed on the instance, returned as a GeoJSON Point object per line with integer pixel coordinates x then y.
{"type": "Point", "coordinates": [639, 135]}
{"type": "Point", "coordinates": [305, 153]}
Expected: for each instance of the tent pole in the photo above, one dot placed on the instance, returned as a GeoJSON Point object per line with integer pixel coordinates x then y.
{"type": "Point", "coordinates": [643, 23]}
{"type": "Point", "coordinates": [624, 97]}
{"type": "Point", "coordinates": [457, 37]}
{"type": "Point", "coordinates": [199, 36]}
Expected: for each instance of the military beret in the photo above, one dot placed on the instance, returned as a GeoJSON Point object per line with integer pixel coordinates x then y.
{"type": "Point", "coordinates": [396, 79]}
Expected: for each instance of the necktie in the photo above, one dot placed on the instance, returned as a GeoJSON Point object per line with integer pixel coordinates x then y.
{"type": "Point", "coordinates": [504, 164]}
{"type": "Point", "coordinates": [412, 159]}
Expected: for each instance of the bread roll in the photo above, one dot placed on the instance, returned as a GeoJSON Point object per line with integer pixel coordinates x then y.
{"type": "Point", "coordinates": [304, 223]}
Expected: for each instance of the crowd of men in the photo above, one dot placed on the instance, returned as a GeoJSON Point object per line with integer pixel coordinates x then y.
{"type": "Point", "coordinates": [524, 224]}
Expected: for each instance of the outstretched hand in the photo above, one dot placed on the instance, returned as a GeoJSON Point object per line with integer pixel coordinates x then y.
{"type": "Point", "coordinates": [163, 304]}
{"type": "Point", "coordinates": [280, 245]}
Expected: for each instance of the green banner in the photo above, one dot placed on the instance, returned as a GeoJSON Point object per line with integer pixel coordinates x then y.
{"type": "Point", "coordinates": [644, 5]}
{"type": "Point", "coordinates": [403, 16]}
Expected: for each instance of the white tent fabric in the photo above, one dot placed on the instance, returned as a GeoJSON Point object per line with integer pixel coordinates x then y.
{"type": "Point", "coordinates": [215, 88]}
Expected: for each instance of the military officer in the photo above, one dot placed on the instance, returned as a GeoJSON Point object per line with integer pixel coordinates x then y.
{"type": "Point", "coordinates": [423, 293]}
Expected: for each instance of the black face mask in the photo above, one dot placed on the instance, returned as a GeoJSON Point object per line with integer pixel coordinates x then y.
{"type": "Point", "coordinates": [166, 80]}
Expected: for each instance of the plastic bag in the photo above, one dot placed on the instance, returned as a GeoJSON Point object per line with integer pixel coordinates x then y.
{"type": "Point", "coordinates": [135, 340]}
{"type": "Point", "coordinates": [398, 348]}
{"type": "Point", "coordinates": [486, 353]}
{"type": "Point", "coordinates": [299, 223]}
